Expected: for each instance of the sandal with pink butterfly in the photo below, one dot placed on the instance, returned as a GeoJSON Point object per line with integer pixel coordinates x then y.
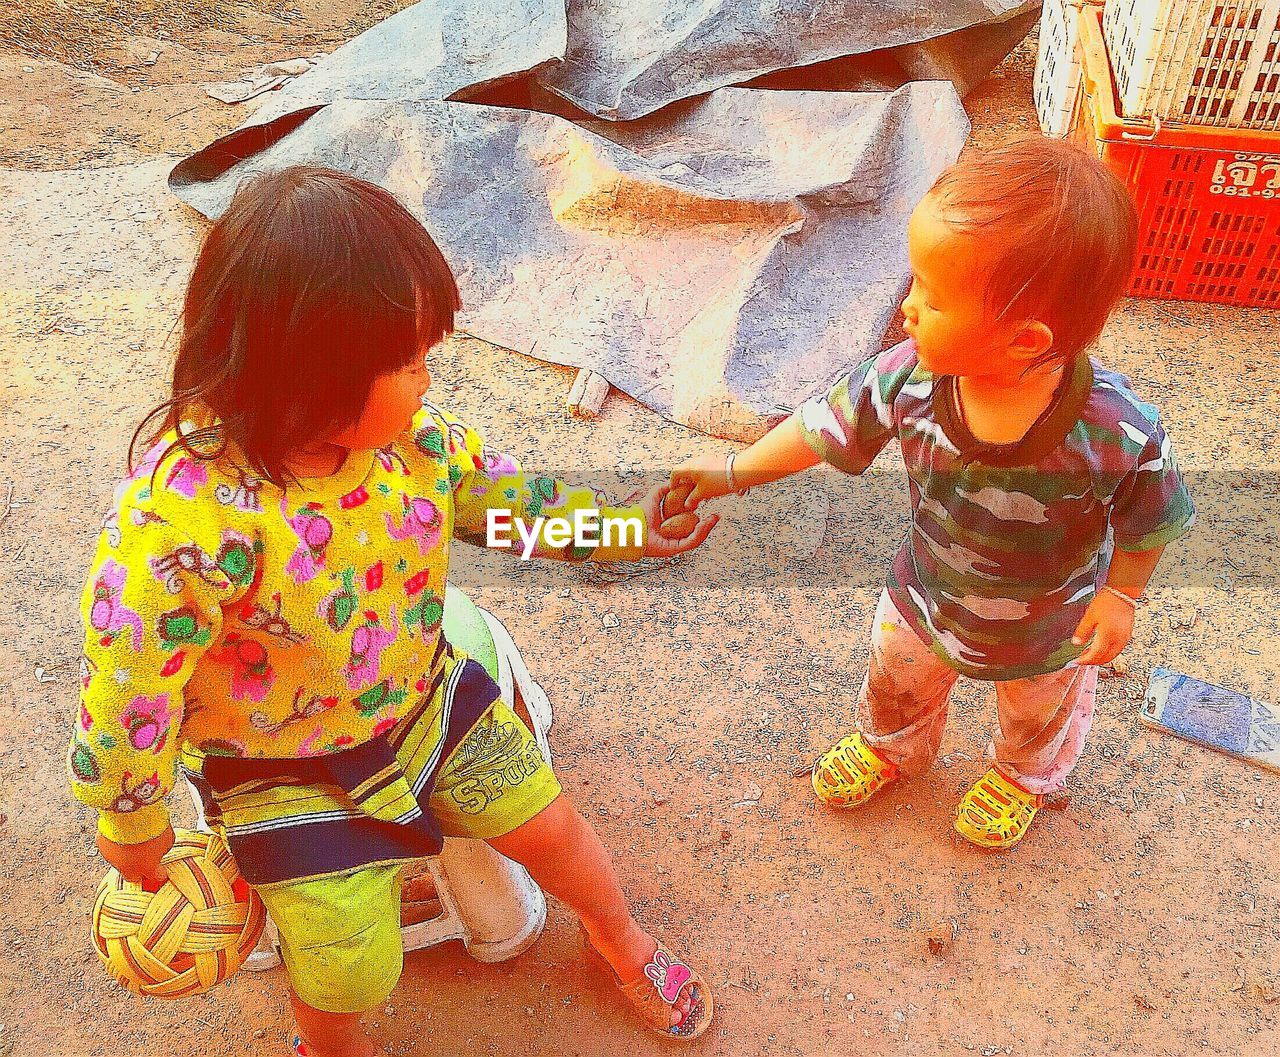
{"type": "Point", "coordinates": [659, 989]}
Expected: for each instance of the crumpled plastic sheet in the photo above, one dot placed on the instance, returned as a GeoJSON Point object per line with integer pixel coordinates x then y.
{"type": "Point", "coordinates": [437, 49]}
{"type": "Point", "coordinates": [621, 59]}
{"type": "Point", "coordinates": [719, 263]}
{"type": "Point", "coordinates": [964, 57]}
{"type": "Point", "coordinates": [628, 58]}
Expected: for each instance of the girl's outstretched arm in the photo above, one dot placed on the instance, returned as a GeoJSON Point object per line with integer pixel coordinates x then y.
{"type": "Point", "coordinates": [778, 454]}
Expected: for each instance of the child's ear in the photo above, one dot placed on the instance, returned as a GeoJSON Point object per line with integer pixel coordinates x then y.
{"type": "Point", "coordinates": [1031, 342]}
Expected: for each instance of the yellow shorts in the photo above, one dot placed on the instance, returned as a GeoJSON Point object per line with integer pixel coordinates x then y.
{"type": "Point", "coordinates": [340, 934]}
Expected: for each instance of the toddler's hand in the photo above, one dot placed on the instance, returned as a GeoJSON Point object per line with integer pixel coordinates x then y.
{"type": "Point", "coordinates": [659, 507]}
{"type": "Point", "coordinates": [705, 479]}
{"type": "Point", "coordinates": [138, 862]}
{"type": "Point", "coordinates": [1107, 627]}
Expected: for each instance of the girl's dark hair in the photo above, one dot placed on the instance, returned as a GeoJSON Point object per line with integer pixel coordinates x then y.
{"type": "Point", "coordinates": [311, 285]}
{"type": "Point", "coordinates": [1058, 229]}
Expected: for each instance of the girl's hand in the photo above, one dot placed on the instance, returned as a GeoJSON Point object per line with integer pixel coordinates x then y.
{"type": "Point", "coordinates": [1107, 627]}
{"type": "Point", "coordinates": [705, 476]}
{"type": "Point", "coordinates": [656, 545]}
{"type": "Point", "coordinates": [139, 862]}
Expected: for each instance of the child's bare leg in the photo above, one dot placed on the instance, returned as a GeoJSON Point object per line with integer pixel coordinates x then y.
{"type": "Point", "coordinates": [332, 1034]}
{"type": "Point", "coordinates": [565, 856]}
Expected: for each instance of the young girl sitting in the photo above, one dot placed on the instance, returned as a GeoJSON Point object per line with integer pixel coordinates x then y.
{"type": "Point", "coordinates": [1042, 490]}
{"type": "Point", "coordinates": [266, 598]}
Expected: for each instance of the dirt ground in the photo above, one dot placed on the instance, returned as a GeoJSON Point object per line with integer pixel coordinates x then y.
{"type": "Point", "coordinates": [1142, 919]}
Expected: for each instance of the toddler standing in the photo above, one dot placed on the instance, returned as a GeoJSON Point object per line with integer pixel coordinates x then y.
{"type": "Point", "coordinates": [1043, 490]}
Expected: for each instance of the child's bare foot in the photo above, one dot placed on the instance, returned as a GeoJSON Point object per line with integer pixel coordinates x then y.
{"type": "Point", "coordinates": [322, 1034]}
{"type": "Point", "coordinates": [361, 1047]}
{"type": "Point", "coordinates": [564, 855]}
{"type": "Point", "coordinates": [628, 954]}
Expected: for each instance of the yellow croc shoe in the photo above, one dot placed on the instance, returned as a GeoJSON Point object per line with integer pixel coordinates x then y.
{"type": "Point", "coordinates": [851, 772]}
{"type": "Point", "coordinates": [996, 812]}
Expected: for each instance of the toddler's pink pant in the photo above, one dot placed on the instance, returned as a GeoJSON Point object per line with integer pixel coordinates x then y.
{"type": "Point", "coordinates": [902, 708]}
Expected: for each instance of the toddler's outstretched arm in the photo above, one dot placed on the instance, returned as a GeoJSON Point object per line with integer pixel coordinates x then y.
{"type": "Point", "coordinates": [778, 454]}
{"type": "Point", "coordinates": [847, 427]}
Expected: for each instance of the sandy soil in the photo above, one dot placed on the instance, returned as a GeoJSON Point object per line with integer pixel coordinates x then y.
{"type": "Point", "coordinates": [1141, 919]}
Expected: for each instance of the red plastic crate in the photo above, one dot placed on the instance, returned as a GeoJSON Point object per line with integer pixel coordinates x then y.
{"type": "Point", "coordinates": [1208, 199]}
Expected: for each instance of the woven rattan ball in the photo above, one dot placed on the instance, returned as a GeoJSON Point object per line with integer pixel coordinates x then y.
{"type": "Point", "coordinates": [191, 934]}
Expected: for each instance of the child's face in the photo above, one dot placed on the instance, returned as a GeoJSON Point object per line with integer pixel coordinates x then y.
{"type": "Point", "coordinates": [945, 311]}
{"type": "Point", "coordinates": [393, 401]}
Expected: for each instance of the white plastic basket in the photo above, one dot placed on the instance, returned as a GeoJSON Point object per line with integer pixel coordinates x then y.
{"type": "Point", "coordinates": [1202, 62]}
{"type": "Point", "coordinates": [1057, 80]}
{"type": "Point", "coordinates": [1258, 104]}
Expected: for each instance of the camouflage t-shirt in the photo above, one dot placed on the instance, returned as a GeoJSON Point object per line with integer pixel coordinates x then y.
{"type": "Point", "coordinates": [1008, 542]}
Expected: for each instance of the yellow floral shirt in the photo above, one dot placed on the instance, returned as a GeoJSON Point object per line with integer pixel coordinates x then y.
{"type": "Point", "coordinates": [247, 620]}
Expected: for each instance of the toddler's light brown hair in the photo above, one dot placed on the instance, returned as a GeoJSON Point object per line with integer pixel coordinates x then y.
{"type": "Point", "coordinates": [1055, 229]}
